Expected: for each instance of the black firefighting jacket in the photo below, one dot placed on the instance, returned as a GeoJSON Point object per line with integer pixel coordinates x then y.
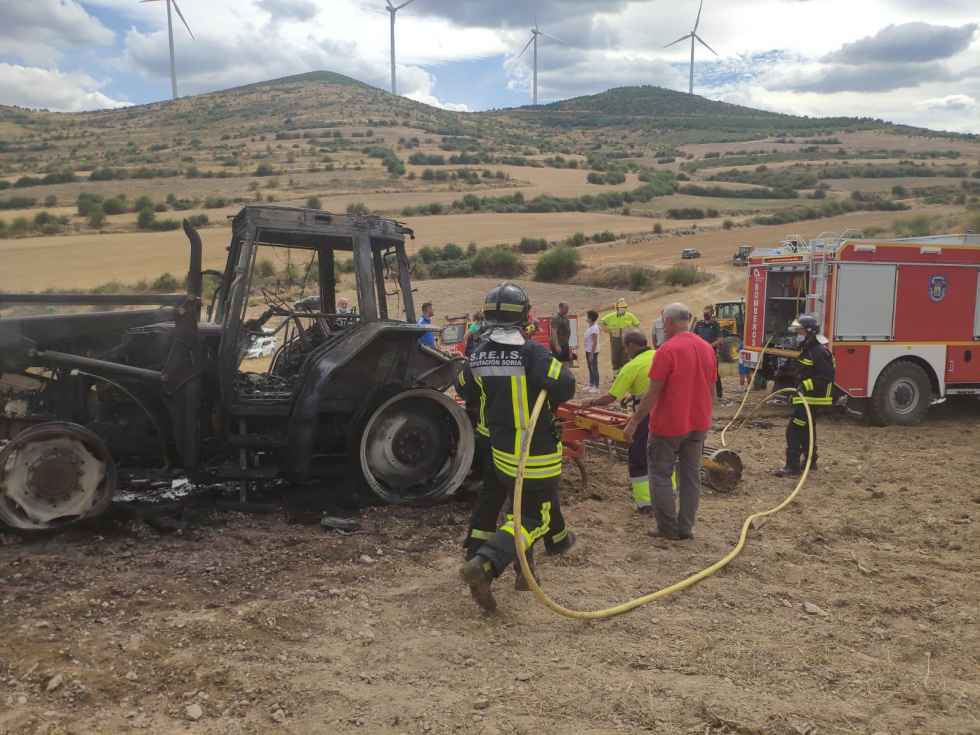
{"type": "Point", "coordinates": [816, 371]}
{"type": "Point", "coordinates": [505, 380]}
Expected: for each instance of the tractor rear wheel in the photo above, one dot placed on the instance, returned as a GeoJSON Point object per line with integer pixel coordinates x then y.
{"type": "Point", "coordinates": [416, 446]}
{"type": "Point", "coordinates": [53, 475]}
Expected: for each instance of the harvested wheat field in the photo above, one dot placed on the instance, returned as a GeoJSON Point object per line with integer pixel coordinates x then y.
{"type": "Point", "coordinates": [86, 261]}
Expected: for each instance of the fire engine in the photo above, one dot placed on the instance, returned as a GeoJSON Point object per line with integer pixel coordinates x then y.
{"type": "Point", "coordinates": [901, 316]}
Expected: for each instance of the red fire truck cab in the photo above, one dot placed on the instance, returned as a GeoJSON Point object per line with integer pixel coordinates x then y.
{"type": "Point", "coordinates": [902, 316]}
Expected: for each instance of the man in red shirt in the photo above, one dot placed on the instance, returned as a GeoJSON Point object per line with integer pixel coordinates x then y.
{"type": "Point", "coordinates": [682, 378]}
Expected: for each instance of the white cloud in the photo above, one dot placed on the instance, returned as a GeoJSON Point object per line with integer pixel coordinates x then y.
{"type": "Point", "coordinates": [955, 102]}
{"type": "Point", "coordinates": [37, 31]}
{"type": "Point", "coordinates": [52, 89]}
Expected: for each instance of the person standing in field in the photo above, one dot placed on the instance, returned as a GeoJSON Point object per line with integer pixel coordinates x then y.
{"type": "Point", "coordinates": [429, 338]}
{"type": "Point", "coordinates": [561, 334]}
{"type": "Point", "coordinates": [634, 381]}
{"type": "Point", "coordinates": [615, 323]}
{"type": "Point", "coordinates": [678, 403]}
{"type": "Point", "coordinates": [709, 329]}
{"type": "Point", "coordinates": [592, 350]}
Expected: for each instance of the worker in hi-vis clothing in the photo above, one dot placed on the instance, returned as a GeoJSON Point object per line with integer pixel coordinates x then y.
{"type": "Point", "coordinates": [634, 380]}
{"type": "Point", "coordinates": [816, 383]}
{"type": "Point", "coordinates": [504, 374]}
{"type": "Point", "coordinates": [615, 323]}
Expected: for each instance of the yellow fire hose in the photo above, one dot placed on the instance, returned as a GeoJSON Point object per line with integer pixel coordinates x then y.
{"type": "Point", "coordinates": [683, 584]}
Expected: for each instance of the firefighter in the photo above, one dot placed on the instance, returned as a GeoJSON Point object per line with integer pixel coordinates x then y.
{"type": "Point", "coordinates": [615, 322]}
{"type": "Point", "coordinates": [634, 380]}
{"type": "Point", "coordinates": [504, 374]}
{"type": "Point", "coordinates": [816, 382]}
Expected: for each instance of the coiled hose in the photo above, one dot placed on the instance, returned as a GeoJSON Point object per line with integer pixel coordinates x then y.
{"type": "Point", "coordinates": [625, 607]}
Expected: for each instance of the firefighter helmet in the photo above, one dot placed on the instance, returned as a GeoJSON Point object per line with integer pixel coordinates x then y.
{"type": "Point", "coordinates": [807, 323]}
{"type": "Point", "coordinates": [507, 304]}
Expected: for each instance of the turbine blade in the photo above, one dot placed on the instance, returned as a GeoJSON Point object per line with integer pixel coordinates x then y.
{"type": "Point", "coordinates": [706, 45]}
{"type": "Point", "coordinates": [177, 8]}
{"type": "Point", "coordinates": [698, 21]}
{"type": "Point", "coordinates": [526, 47]}
{"type": "Point", "coordinates": [557, 40]}
{"type": "Point", "coordinates": [407, 2]}
{"type": "Point", "coordinates": [682, 38]}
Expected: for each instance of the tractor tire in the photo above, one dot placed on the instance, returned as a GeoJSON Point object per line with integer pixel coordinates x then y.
{"type": "Point", "coordinates": [414, 447]}
{"type": "Point", "coordinates": [902, 395]}
{"type": "Point", "coordinates": [54, 475]}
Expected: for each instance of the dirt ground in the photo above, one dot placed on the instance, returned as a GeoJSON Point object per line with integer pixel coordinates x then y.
{"type": "Point", "coordinates": [853, 611]}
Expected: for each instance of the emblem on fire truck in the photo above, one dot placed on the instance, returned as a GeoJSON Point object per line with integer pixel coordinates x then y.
{"type": "Point", "coordinates": [937, 288]}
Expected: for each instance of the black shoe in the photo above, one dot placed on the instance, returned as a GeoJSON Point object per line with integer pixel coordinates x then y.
{"type": "Point", "coordinates": [787, 472]}
{"type": "Point", "coordinates": [520, 581]}
{"type": "Point", "coordinates": [563, 546]}
{"type": "Point", "coordinates": [658, 534]}
{"type": "Point", "coordinates": [685, 536]}
{"type": "Point", "coordinates": [645, 510]}
{"type": "Point", "coordinates": [479, 579]}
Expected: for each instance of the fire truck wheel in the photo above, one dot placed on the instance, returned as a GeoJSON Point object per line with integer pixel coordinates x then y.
{"type": "Point", "coordinates": [902, 395]}
{"type": "Point", "coordinates": [53, 475]}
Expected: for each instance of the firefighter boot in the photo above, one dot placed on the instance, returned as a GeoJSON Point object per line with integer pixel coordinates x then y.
{"type": "Point", "coordinates": [520, 581]}
{"type": "Point", "coordinates": [792, 468]}
{"type": "Point", "coordinates": [478, 574]}
{"type": "Point", "coordinates": [563, 546]}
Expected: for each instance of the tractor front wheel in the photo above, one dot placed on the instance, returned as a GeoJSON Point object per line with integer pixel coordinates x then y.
{"type": "Point", "coordinates": [53, 475]}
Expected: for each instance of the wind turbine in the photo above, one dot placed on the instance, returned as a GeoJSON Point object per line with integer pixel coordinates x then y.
{"type": "Point", "coordinates": [392, 10]}
{"type": "Point", "coordinates": [535, 32]}
{"type": "Point", "coordinates": [693, 35]}
{"type": "Point", "coordinates": [170, 30]}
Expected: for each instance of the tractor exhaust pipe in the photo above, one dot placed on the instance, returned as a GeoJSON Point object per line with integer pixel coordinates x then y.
{"type": "Point", "coordinates": [195, 280]}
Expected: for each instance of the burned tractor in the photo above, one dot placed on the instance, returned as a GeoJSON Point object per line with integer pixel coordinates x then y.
{"type": "Point", "coordinates": [126, 391]}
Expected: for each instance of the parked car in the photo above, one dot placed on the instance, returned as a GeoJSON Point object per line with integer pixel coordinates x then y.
{"type": "Point", "coordinates": [690, 253]}
{"type": "Point", "coordinates": [261, 347]}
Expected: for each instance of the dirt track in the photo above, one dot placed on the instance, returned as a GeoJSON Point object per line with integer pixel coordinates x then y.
{"type": "Point", "coordinates": [270, 627]}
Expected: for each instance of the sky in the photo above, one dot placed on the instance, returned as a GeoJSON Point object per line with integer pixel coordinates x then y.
{"type": "Point", "coordinates": [906, 61]}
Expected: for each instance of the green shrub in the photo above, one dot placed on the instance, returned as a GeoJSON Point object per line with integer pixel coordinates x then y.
{"type": "Point", "coordinates": [265, 268]}
{"type": "Point", "coordinates": [344, 266]}
{"type": "Point", "coordinates": [452, 251]}
{"type": "Point", "coordinates": [576, 241]}
{"type": "Point", "coordinates": [165, 282]}
{"type": "Point", "coordinates": [215, 202]}
{"type": "Point", "coordinates": [96, 218]}
{"type": "Point", "coordinates": [557, 265]}
{"type": "Point", "coordinates": [727, 224]}
{"type": "Point", "coordinates": [313, 203]}
{"type": "Point", "coordinates": [499, 261]}
{"type": "Point", "coordinates": [141, 203]}
{"type": "Point", "coordinates": [639, 279]}
{"type": "Point", "coordinates": [115, 205]}
{"type": "Point", "coordinates": [265, 169]}
{"type": "Point", "coordinates": [198, 220]}
{"type": "Point", "coordinates": [145, 219]}
{"type": "Point", "coordinates": [20, 226]}
{"type": "Point", "coordinates": [683, 275]}
{"type": "Point", "coordinates": [19, 203]}
{"type": "Point", "coordinates": [604, 236]}
{"type": "Point", "coordinates": [658, 229]}
{"type": "Point", "coordinates": [358, 208]}
{"type": "Point", "coordinates": [532, 245]}
{"type": "Point", "coordinates": [918, 226]}
{"type": "Point", "coordinates": [50, 201]}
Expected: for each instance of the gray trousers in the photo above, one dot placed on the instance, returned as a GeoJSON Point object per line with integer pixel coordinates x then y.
{"type": "Point", "coordinates": [663, 452]}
